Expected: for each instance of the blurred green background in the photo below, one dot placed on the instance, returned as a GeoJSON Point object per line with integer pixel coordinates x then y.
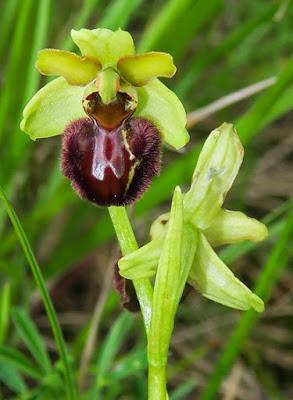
{"type": "Point", "coordinates": [219, 47]}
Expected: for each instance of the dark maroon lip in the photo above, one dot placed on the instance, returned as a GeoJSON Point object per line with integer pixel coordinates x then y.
{"type": "Point", "coordinates": [111, 166]}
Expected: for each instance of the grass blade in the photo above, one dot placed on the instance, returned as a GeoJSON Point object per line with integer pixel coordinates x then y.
{"type": "Point", "coordinates": [118, 13]}
{"type": "Point", "coordinates": [151, 37]}
{"type": "Point", "coordinates": [115, 338]}
{"type": "Point", "coordinates": [15, 60]}
{"type": "Point", "coordinates": [71, 388]}
{"type": "Point", "coordinates": [12, 379]}
{"type": "Point", "coordinates": [29, 333]}
{"type": "Point", "coordinates": [89, 7]}
{"type": "Point", "coordinates": [8, 13]}
{"type": "Point", "coordinates": [19, 361]}
{"type": "Point", "coordinates": [4, 311]}
{"type": "Point", "coordinates": [20, 142]}
{"type": "Point", "coordinates": [204, 59]}
{"type": "Point", "coordinates": [253, 121]}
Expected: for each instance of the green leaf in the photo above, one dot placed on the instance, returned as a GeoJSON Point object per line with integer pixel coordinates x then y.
{"type": "Point", "coordinates": [118, 13]}
{"type": "Point", "coordinates": [19, 361]}
{"type": "Point", "coordinates": [214, 280]}
{"type": "Point", "coordinates": [234, 226]}
{"type": "Point", "coordinates": [129, 365]}
{"type": "Point", "coordinates": [32, 338]}
{"type": "Point", "coordinates": [4, 311]}
{"type": "Point", "coordinates": [141, 68]}
{"type": "Point", "coordinates": [11, 378]}
{"type": "Point", "coordinates": [37, 274]}
{"type": "Point", "coordinates": [77, 70]}
{"type": "Point", "coordinates": [118, 333]}
{"type": "Point", "coordinates": [216, 169]}
{"type": "Point", "coordinates": [52, 108]}
{"type": "Point", "coordinates": [104, 45]}
{"type": "Point", "coordinates": [161, 106]}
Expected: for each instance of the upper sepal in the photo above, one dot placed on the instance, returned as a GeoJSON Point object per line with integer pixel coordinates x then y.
{"type": "Point", "coordinates": [104, 45]}
{"type": "Point", "coordinates": [216, 169]}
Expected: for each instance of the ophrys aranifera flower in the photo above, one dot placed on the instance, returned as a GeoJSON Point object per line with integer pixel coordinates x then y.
{"type": "Point", "coordinates": [113, 111]}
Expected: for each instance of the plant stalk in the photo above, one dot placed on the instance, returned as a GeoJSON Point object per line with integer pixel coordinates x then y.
{"type": "Point", "coordinates": [128, 244]}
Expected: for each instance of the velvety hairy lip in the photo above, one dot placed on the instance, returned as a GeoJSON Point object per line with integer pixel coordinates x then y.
{"type": "Point", "coordinates": [111, 167]}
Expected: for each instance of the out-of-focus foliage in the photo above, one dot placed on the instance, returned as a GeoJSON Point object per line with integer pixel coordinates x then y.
{"type": "Point", "coordinates": [219, 47]}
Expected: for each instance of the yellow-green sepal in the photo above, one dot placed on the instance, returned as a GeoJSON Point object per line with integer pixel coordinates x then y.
{"type": "Point", "coordinates": [165, 297]}
{"type": "Point", "coordinates": [216, 169]}
{"type": "Point", "coordinates": [76, 70]}
{"type": "Point", "coordinates": [104, 45]}
{"type": "Point", "coordinates": [139, 69]}
{"type": "Point", "coordinates": [51, 109]}
{"type": "Point", "coordinates": [143, 262]}
{"type": "Point", "coordinates": [162, 107]}
{"type": "Point", "coordinates": [213, 279]}
{"type": "Point", "coordinates": [233, 227]}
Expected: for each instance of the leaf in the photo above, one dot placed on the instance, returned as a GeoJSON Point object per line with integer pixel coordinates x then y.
{"type": "Point", "coordinates": [11, 378]}
{"type": "Point", "coordinates": [4, 311]}
{"type": "Point", "coordinates": [116, 337]}
{"type": "Point", "coordinates": [29, 333]}
{"type": "Point", "coordinates": [52, 108]}
{"type": "Point", "coordinates": [20, 362]}
{"type": "Point", "coordinates": [161, 106]}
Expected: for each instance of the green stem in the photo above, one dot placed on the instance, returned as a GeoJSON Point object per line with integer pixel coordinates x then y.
{"type": "Point", "coordinates": [36, 271]}
{"type": "Point", "coordinates": [157, 382]}
{"type": "Point", "coordinates": [128, 244]}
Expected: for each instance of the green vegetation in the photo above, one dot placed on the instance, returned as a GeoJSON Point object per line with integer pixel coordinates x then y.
{"type": "Point", "coordinates": [56, 251]}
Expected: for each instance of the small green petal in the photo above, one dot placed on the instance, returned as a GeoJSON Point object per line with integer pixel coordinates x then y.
{"type": "Point", "coordinates": [234, 226]}
{"type": "Point", "coordinates": [103, 44]}
{"type": "Point", "coordinates": [159, 226]}
{"type": "Point", "coordinates": [75, 69]}
{"type": "Point", "coordinates": [52, 108]}
{"type": "Point", "coordinates": [141, 68]}
{"type": "Point", "coordinates": [143, 262]}
{"type": "Point", "coordinates": [161, 106]}
{"type": "Point", "coordinates": [217, 167]}
{"type": "Point", "coordinates": [213, 279]}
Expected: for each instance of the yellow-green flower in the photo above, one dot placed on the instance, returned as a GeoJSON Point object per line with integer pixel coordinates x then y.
{"type": "Point", "coordinates": [205, 224]}
{"type": "Point", "coordinates": [109, 65]}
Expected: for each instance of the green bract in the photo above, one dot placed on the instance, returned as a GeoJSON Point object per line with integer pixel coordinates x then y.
{"type": "Point", "coordinates": [205, 223]}
{"type": "Point", "coordinates": [108, 64]}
